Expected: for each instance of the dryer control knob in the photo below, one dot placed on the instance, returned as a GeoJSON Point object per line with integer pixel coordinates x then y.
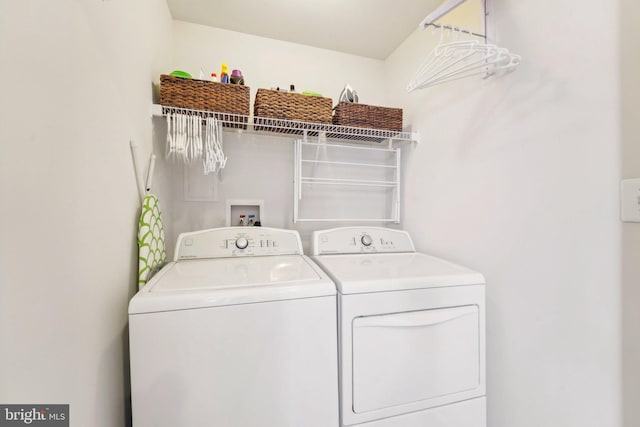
{"type": "Point", "coordinates": [242, 243]}
{"type": "Point", "coordinates": [366, 240]}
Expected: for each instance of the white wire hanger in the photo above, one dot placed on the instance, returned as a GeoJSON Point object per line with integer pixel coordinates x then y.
{"type": "Point", "coordinates": [460, 59]}
{"type": "Point", "coordinates": [214, 158]}
{"type": "Point", "coordinates": [186, 141]}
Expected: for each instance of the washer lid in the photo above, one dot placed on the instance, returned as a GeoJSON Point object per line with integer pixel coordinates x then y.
{"type": "Point", "coordinates": [361, 273]}
{"type": "Point", "coordinates": [216, 282]}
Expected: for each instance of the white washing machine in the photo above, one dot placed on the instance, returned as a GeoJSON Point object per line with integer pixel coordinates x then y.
{"type": "Point", "coordinates": [239, 330]}
{"type": "Point", "coordinates": [411, 331]}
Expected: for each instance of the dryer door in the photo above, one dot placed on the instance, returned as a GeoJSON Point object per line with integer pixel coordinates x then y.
{"type": "Point", "coordinates": [411, 352]}
{"type": "Point", "coordinates": [407, 357]}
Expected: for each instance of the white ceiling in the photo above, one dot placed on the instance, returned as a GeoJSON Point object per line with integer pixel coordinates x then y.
{"type": "Point", "coordinates": [371, 28]}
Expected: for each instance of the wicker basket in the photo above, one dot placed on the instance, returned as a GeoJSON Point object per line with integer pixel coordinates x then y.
{"type": "Point", "coordinates": [273, 104]}
{"type": "Point", "coordinates": [368, 116]}
{"type": "Point", "coordinates": [207, 96]}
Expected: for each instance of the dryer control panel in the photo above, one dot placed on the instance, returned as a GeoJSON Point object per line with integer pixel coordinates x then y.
{"type": "Point", "coordinates": [355, 240]}
{"type": "Point", "coordinates": [229, 242]}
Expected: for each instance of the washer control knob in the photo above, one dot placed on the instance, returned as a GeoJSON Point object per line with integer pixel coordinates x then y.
{"type": "Point", "coordinates": [242, 243]}
{"type": "Point", "coordinates": [366, 240]}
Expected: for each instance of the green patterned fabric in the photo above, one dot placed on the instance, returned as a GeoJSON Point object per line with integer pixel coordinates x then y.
{"type": "Point", "coordinates": [151, 253]}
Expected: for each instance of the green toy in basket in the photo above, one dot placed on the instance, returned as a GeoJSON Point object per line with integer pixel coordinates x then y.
{"type": "Point", "coordinates": [183, 74]}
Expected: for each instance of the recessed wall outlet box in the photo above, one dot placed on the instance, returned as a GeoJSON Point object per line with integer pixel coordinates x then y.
{"type": "Point", "coordinates": [198, 187]}
{"type": "Point", "coordinates": [630, 200]}
{"type": "Point", "coordinates": [250, 211]}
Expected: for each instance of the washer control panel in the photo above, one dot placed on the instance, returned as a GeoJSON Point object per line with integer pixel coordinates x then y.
{"type": "Point", "coordinates": [237, 241]}
{"type": "Point", "coordinates": [355, 240]}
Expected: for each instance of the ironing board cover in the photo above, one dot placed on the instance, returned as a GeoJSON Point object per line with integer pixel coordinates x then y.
{"type": "Point", "coordinates": [151, 247]}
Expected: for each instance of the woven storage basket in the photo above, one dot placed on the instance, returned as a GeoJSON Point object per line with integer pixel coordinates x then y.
{"type": "Point", "coordinates": [206, 96]}
{"type": "Point", "coordinates": [368, 116]}
{"type": "Point", "coordinates": [274, 104]}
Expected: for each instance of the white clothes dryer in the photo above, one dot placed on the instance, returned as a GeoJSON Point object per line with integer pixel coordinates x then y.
{"type": "Point", "coordinates": [411, 331]}
{"type": "Point", "coordinates": [239, 330]}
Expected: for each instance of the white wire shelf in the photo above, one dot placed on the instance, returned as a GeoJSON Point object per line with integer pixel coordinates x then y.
{"type": "Point", "coordinates": [267, 126]}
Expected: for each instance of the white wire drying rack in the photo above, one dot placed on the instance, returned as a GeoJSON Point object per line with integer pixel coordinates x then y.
{"type": "Point", "coordinates": [386, 177]}
{"type": "Point", "coordinates": [267, 126]}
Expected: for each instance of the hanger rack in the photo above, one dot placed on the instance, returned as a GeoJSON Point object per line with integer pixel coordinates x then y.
{"type": "Point", "coordinates": [460, 59]}
{"type": "Point", "coordinates": [454, 29]}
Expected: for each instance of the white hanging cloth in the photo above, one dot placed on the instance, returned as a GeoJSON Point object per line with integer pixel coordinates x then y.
{"type": "Point", "coordinates": [460, 59]}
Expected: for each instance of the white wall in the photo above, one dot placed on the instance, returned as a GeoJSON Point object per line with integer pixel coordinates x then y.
{"type": "Point", "coordinates": [76, 88]}
{"type": "Point", "coordinates": [630, 158]}
{"type": "Point", "coordinates": [518, 178]}
{"type": "Point", "coordinates": [259, 167]}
